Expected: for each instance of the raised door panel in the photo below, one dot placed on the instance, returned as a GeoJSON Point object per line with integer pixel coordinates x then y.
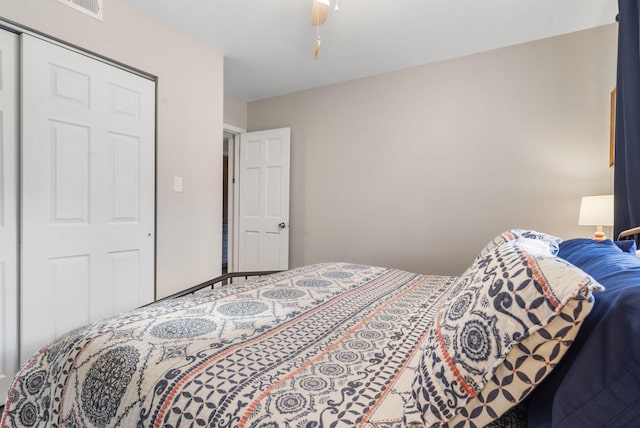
{"type": "Point", "coordinates": [124, 171]}
{"type": "Point", "coordinates": [125, 279]}
{"type": "Point", "coordinates": [69, 282]}
{"type": "Point", "coordinates": [69, 165]}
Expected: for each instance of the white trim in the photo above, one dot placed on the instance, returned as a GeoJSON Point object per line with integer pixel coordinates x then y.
{"type": "Point", "coordinates": [233, 237]}
{"type": "Point", "coordinates": [236, 202]}
{"type": "Point", "coordinates": [233, 129]}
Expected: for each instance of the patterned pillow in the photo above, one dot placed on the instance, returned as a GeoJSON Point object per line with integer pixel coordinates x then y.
{"type": "Point", "coordinates": [500, 330]}
{"type": "Point", "coordinates": [513, 234]}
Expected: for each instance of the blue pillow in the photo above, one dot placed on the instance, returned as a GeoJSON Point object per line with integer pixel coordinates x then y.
{"type": "Point", "coordinates": [597, 383]}
{"type": "Point", "coordinates": [628, 246]}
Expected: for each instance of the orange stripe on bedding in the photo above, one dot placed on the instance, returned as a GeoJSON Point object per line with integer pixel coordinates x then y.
{"type": "Point", "coordinates": [395, 378]}
{"type": "Point", "coordinates": [252, 406]}
{"type": "Point", "coordinates": [167, 402]}
{"type": "Point", "coordinates": [61, 416]}
{"type": "Point", "coordinates": [449, 361]}
{"type": "Point", "coordinates": [537, 275]}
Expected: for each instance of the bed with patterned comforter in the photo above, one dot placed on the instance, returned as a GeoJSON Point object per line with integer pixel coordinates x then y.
{"type": "Point", "coordinates": [322, 345]}
{"type": "Point", "coordinates": [327, 345]}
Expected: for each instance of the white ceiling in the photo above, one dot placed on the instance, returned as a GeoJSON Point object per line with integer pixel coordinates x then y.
{"type": "Point", "coordinates": [268, 44]}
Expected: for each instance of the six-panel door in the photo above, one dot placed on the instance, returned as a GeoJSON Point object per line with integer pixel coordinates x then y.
{"type": "Point", "coordinates": [264, 200]}
{"type": "Point", "coordinates": [88, 156]}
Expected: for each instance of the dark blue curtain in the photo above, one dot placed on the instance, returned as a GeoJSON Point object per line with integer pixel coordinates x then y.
{"type": "Point", "coordinates": [627, 134]}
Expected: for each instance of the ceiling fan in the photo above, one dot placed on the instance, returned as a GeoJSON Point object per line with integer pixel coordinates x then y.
{"type": "Point", "coordinates": [319, 12]}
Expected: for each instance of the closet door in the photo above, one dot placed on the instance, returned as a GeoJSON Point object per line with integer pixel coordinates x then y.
{"type": "Point", "coordinates": [88, 186]}
{"type": "Point", "coordinates": [8, 210]}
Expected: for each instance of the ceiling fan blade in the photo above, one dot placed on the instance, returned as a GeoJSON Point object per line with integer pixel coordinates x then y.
{"type": "Point", "coordinates": [319, 12]}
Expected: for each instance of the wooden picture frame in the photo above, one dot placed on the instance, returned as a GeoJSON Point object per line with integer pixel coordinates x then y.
{"type": "Point", "coordinates": [612, 129]}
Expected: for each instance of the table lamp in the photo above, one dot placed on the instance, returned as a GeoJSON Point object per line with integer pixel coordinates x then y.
{"type": "Point", "coordinates": [596, 211]}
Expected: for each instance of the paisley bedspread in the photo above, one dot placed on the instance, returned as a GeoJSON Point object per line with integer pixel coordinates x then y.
{"type": "Point", "coordinates": [322, 345]}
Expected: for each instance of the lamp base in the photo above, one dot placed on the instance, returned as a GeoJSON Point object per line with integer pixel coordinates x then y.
{"type": "Point", "coordinates": [599, 235]}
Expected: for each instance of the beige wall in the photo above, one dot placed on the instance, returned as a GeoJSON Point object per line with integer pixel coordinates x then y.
{"type": "Point", "coordinates": [418, 169]}
{"type": "Point", "coordinates": [189, 124]}
{"type": "Point", "coordinates": [235, 112]}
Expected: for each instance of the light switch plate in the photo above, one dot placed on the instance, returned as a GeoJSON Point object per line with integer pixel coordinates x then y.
{"type": "Point", "coordinates": [177, 184]}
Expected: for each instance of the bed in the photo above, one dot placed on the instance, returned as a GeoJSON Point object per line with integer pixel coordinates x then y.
{"type": "Point", "coordinates": [333, 344]}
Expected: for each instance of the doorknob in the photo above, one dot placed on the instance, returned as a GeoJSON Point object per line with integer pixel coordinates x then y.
{"type": "Point", "coordinates": [282, 225]}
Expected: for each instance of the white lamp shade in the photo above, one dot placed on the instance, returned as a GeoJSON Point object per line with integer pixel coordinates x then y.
{"type": "Point", "coordinates": [596, 211]}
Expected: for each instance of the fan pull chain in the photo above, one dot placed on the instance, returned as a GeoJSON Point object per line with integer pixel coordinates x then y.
{"type": "Point", "coordinates": [317, 49]}
{"type": "Point", "coordinates": [315, 19]}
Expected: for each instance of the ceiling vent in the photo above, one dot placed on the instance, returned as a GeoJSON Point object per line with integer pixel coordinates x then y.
{"type": "Point", "coordinates": [90, 7]}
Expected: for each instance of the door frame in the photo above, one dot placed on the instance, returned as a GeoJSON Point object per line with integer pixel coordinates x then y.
{"type": "Point", "coordinates": [10, 203]}
{"type": "Point", "coordinates": [233, 255]}
{"type": "Point", "coordinates": [19, 29]}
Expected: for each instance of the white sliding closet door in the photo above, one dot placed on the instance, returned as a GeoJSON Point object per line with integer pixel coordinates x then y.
{"type": "Point", "coordinates": [8, 210]}
{"type": "Point", "coordinates": [88, 156]}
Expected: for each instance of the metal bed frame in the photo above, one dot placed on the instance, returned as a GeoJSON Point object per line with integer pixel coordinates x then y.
{"type": "Point", "coordinates": [222, 279]}
{"type": "Point", "coordinates": [630, 234]}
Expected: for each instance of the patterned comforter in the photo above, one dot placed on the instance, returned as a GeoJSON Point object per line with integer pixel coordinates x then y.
{"type": "Point", "coordinates": [322, 345]}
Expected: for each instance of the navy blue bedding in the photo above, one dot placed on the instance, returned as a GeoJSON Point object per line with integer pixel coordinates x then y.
{"type": "Point", "coordinates": [597, 383]}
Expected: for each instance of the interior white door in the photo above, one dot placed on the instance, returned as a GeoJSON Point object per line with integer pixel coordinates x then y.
{"type": "Point", "coordinates": [263, 228]}
{"type": "Point", "coordinates": [88, 191]}
{"type": "Point", "coordinates": [8, 210]}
